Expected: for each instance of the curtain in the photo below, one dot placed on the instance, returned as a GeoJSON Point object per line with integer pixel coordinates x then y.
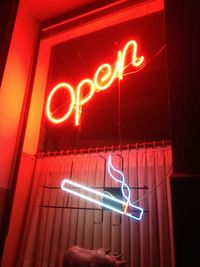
{"type": "Point", "coordinates": [51, 227]}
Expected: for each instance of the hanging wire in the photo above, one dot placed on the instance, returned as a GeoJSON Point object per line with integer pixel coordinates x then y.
{"type": "Point", "coordinates": [125, 74]}
{"type": "Point", "coordinates": [119, 112]}
{"type": "Point", "coordinates": [155, 187]}
{"type": "Point", "coordinates": [146, 63]}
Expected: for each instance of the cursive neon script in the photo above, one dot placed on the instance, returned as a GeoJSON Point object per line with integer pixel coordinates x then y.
{"type": "Point", "coordinates": [103, 78]}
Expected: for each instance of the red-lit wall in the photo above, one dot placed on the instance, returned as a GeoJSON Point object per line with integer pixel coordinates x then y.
{"type": "Point", "coordinates": [12, 92]}
{"type": "Point", "coordinates": [15, 81]}
{"type": "Point", "coordinates": [19, 210]}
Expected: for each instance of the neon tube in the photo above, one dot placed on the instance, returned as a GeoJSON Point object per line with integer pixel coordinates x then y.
{"type": "Point", "coordinates": [81, 101]}
{"type": "Point", "coordinates": [67, 182]}
{"type": "Point", "coordinates": [60, 86]}
{"type": "Point", "coordinates": [123, 184]}
{"type": "Point", "coordinates": [103, 79]}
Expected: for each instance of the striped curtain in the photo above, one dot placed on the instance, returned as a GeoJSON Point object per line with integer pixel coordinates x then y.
{"type": "Point", "coordinates": [57, 220]}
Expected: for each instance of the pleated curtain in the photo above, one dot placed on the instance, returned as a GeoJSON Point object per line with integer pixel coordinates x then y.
{"type": "Point", "coordinates": [57, 220]}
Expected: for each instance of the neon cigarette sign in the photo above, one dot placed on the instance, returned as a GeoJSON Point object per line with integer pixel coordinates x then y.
{"type": "Point", "coordinates": [96, 196]}
{"type": "Point", "coordinates": [103, 78]}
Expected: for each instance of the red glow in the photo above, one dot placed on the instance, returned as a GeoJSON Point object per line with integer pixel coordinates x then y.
{"type": "Point", "coordinates": [136, 61]}
{"type": "Point", "coordinates": [102, 83]}
{"type": "Point", "coordinates": [48, 105]}
{"type": "Point", "coordinates": [81, 101]}
{"type": "Point", "coordinates": [103, 78]}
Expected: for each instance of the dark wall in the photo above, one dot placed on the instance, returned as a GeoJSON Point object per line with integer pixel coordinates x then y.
{"type": "Point", "coordinates": [8, 11]}
{"type": "Point", "coordinates": [183, 56]}
{"type": "Point", "coordinates": [186, 219]}
{"type": "Point", "coordinates": [142, 107]}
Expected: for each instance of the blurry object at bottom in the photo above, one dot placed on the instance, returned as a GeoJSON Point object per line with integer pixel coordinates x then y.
{"type": "Point", "coordinates": [79, 257]}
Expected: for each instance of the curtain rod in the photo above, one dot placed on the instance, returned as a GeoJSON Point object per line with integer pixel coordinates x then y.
{"type": "Point", "coordinates": [89, 150]}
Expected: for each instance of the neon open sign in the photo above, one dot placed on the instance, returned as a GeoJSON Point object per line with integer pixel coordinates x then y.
{"type": "Point", "coordinates": [103, 78]}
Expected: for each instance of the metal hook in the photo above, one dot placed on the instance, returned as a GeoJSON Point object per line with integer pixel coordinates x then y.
{"type": "Point", "coordinates": [163, 143]}
{"type": "Point", "coordinates": [136, 146]}
{"type": "Point", "coordinates": [122, 160]}
{"type": "Point", "coordinates": [154, 144]}
{"type": "Point", "coordinates": [144, 144]}
{"type": "Point", "coordinates": [104, 178]}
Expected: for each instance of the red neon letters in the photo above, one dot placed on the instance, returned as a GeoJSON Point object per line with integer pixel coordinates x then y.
{"type": "Point", "coordinates": [103, 78]}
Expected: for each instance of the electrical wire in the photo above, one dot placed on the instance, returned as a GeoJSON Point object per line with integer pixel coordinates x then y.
{"type": "Point", "coordinates": [155, 187]}
{"type": "Point", "coordinates": [119, 113]}
{"type": "Point", "coordinates": [126, 74]}
{"type": "Point", "coordinates": [146, 63]}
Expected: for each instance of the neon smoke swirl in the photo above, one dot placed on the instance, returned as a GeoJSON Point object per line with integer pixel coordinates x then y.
{"type": "Point", "coordinates": [111, 169]}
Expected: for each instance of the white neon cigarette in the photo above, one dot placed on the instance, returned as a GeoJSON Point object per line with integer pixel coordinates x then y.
{"type": "Point", "coordinates": [67, 182]}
